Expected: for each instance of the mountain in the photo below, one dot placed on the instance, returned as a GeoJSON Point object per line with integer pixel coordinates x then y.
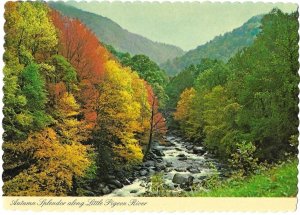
{"type": "Point", "coordinates": [122, 40]}
{"type": "Point", "coordinates": [221, 47]}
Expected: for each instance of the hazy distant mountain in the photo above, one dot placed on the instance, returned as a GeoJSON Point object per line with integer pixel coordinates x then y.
{"type": "Point", "coordinates": [221, 47]}
{"type": "Point", "coordinates": [122, 40]}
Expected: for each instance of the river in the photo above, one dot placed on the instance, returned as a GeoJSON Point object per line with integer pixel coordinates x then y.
{"type": "Point", "coordinates": [179, 157]}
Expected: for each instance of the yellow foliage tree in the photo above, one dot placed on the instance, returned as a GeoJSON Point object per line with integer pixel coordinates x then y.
{"type": "Point", "coordinates": [184, 112]}
{"type": "Point", "coordinates": [184, 104]}
{"type": "Point", "coordinates": [52, 165]}
{"type": "Point", "coordinates": [141, 96]}
{"type": "Point", "coordinates": [69, 129]}
{"type": "Point", "coordinates": [120, 113]}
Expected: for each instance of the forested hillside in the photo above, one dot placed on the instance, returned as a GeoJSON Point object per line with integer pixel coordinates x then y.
{"type": "Point", "coordinates": [249, 104]}
{"type": "Point", "coordinates": [111, 33]}
{"type": "Point", "coordinates": [72, 113]}
{"type": "Point", "coordinates": [222, 47]}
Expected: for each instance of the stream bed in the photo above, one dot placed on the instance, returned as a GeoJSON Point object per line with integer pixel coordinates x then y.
{"type": "Point", "coordinates": [178, 161]}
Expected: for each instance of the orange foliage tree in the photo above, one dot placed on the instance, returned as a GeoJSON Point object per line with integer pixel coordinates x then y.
{"type": "Point", "coordinates": [157, 120]}
{"type": "Point", "coordinates": [83, 50]}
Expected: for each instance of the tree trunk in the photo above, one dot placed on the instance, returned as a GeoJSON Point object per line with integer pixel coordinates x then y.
{"type": "Point", "coordinates": [150, 133]}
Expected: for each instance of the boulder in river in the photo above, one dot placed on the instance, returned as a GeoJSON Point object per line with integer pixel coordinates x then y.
{"type": "Point", "coordinates": [159, 160]}
{"type": "Point", "coordinates": [137, 168]}
{"type": "Point", "coordinates": [198, 150]}
{"type": "Point", "coordinates": [203, 177]}
{"type": "Point", "coordinates": [169, 144]}
{"type": "Point", "coordinates": [126, 181]}
{"type": "Point", "coordinates": [158, 152]}
{"type": "Point", "coordinates": [100, 186]}
{"type": "Point", "coordinates": [169, 164]}
{"type": "Point", "coordinates": [189, 147]}
{"type": "Point", "coordinates": [180, 169]}
{"type": "Point", "coordinates": [143, 172]}
{"type": "Point", "coordinates": [181, 179]}
{"type": "Point", "coordinates": [116, 183]}
{"type": "Point", "coordinates": [133, 191]}
{"type": "Point", "coordinates": [111, 177]}
{"type": "Point", "coordinates": [160, 166]}
{"type": "Point", "coordinates": [149, 163]}
{"type": "Point", "coordinates": [181, 155]}
{"type": "Point", "coordinates": [106, 190]}
{"type": "Point", "coordinates": [192, 169]}
{"type": "Point", "coordinates": [112, 187]}
{"type": "Point", "coordinates": [182, 158]}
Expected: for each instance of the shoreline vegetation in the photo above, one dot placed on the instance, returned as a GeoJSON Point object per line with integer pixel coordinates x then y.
{"type": "Point", "coordinates": [278, 180]}
{"type": "Point", "coordinates": [82, 119]}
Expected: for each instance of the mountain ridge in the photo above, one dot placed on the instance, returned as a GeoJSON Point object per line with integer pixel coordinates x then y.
{"type": "Point", "coordinates": [111, 33]}
{"type": "Point", "coordinates": [221, 47]}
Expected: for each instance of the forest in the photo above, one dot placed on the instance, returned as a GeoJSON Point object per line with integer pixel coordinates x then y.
{"type": "Point", "coordinates": [83, 119]}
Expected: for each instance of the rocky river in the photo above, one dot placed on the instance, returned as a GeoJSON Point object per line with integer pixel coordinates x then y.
{"type": "Point", "coordinates": [181, 163]}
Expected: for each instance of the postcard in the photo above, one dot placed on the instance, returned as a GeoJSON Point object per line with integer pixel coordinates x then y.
{"type": "Point", "coordinates": [150, 106]}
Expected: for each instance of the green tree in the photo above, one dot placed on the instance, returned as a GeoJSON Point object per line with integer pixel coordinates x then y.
{"type": "Point", "coordinates": [264, 80]}
{"type": "Point", "coordinates": [33, 88]}
{"type": "Point", "coordinates": [150, 72]}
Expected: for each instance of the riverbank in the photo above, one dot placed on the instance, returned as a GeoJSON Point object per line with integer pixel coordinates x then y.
{"type": "Point", "coordinates": [180, 165]}
{"type": "Point", "coordinates": [279, 181]}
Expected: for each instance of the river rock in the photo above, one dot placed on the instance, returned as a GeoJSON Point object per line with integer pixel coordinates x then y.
{"type": "Point", "coordinates": [131, 179]}
{"type": "Point", "coordinates": [151, 156]}
{"type": "Point", "coordinates": [181, 155]}
{"type": "Point", "coordinates": [188, 189]}
{"type": "Point", "coordinates": [158, 152]}
{"type": "Point", "coordinates": [137, 168]}
{"type": "Point", "coordinates": [100, 186]}
{"type": "Point", "coordinates": [169, 144]}
{"type": "Point", "coordinates": [180, 169]}
{"type": "Point", "coordinates": [106, 190]}
{"type": "Point", "coordinates": [126, 181]}
{"type": "Point", "coordinates": [151, 172]}
{"type": "Point", "coordinates": [160, 166]}
{"type": "Point", "coordinates": [168, 170]}
{"type": "Point", "coordinates": [143, 172]}
{"type": "Point", "coordinates": [112, 187]}
{"type": "Point", "coordinates": [169, 164]}
{"type": "Point", "coordinates": [203, 177]}
{"type": "Point", "coordinates": [116, 183]}
{"type": "Point", "coordinates": [178, 149]}
{"type": "Point", "coordinates": [189, 147]}
{"type": "Point", "coordinates": [133, 191]}
{"type": "Point", "coordinates": [181, 179]}
{"type": "Point", "coordinates": [143, 184]}
{"type": "Point", "coordinates": [111, 177]}
{"type": "Point", "coordinates": [198, 150]}
{"type": "Point", "coordinates": [159, 160]}
{"type": "Point", "coordinates": [192, 169]}
{"type": "Point", "coordinates": [182, 158]}
{"type": "Point", "coordinates": [149, 163]}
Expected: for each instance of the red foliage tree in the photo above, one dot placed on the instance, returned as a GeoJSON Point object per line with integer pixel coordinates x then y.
{"type": "Point", "coordinates": [83, 50]}
{"type": "Point", "coordinates": [157, 121]}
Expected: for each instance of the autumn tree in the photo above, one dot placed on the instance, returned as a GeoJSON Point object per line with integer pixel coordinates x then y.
{"type": "Point", "coordinates": [118, 121]}
{"type": "Point", "coordinates": [150, 72]}
{"type": "Point", "coordinates": [183, 110]}
{"type": "Point", "coordinates": [82, 49]}
{"type": "Point", "coordinates": [45, 176]}
{"type": "Point", "coordinates": [30, 36]}
{"type": "Point", "coordinates": [156, 120]}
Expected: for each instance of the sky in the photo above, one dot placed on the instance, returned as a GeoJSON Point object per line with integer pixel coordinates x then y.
{"type": "Point", "coordinates": [186, 25]}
